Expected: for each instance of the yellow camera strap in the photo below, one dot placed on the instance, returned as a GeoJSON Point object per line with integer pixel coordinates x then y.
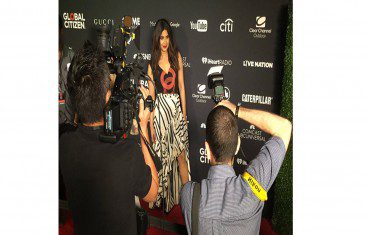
{"type": "Point", "coordinates": [256, 188]}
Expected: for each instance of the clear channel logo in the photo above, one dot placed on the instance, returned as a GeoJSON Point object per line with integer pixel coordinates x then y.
{"type": "Point", "coordinates": [200, 95]}
{"type": "Point", "coordinates": [200, 25]}
{"type": "Point", "coordinates": [206, 60]}
{"type": "Point", "coordinates": [226, 26]}
{"type": "Point", "coordinates": [257, 99]}
{"type": "Point", "coordinates": [258, 64]}
{"type": "Point", "coordinates": [74, 20]}
{"type": "Point", "coordinates": [260, 21]}
{"type": "Point", "coordinates": [201, 89]}
{"type": "Point", "coordinates": [260, 30]}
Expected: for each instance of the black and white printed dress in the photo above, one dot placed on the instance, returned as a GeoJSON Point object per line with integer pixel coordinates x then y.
{"type": "Point", "coordinates": [171, 137]}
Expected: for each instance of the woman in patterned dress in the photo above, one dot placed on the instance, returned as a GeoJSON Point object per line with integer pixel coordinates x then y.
{"type": "Point", "coordinates": [168, 121]}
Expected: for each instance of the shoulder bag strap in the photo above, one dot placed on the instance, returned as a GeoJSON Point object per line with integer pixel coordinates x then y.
{"type": "Point", "coordinates": [195, 209]}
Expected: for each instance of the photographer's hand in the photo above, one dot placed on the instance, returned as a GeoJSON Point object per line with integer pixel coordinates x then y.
{"type": "Point", "coordinates": [268, 122]}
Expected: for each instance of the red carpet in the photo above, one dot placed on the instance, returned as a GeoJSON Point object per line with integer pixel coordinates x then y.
{"type": "Point", "coordinates": [175, 216]}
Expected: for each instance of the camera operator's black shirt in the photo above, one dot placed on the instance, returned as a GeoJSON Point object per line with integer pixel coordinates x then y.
{"type": "Point", "coordinates": [101, 180]}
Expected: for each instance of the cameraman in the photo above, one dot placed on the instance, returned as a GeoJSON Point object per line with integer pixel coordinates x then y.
{"type": "Point", "coordinates": [101, 178]}
{"type": "Point", "coordinates": [228, 204]}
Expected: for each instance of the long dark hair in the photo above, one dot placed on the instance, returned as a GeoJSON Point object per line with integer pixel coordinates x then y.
{"type": "Point", "coordinates": [172, 50]}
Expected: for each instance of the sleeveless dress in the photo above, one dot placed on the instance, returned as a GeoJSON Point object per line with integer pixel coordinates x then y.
{"type": "Point", "coordinates": [171, 137]}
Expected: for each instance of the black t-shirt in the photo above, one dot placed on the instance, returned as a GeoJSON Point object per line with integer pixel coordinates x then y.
{"type": "Point", "coordinates": [166, 83]}
{"type": "Point", "coordinates": [101, 180]}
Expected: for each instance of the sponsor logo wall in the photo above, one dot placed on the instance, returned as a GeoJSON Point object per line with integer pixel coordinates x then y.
{"type": "Point", "coordinates": [239, 32]}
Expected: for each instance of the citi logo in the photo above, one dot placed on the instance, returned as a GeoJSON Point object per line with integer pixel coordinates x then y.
{"type": "Point", "coordinates": [201, 89]}
{"type": "Point", "coordinates": [252, 127]}
{"type": "Point", "coordinates": [227, 26]}
{"type": "Point", "coordinates": [260, 21]}
{"type": "Point", "coordinates": [200, 25]}
{"type": "Point", "coordinates": [203, 126]}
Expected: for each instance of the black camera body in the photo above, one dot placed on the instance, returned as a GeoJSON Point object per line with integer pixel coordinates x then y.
{"type": "Point", "coordinates": [123, 105]}
{"type": "Point", "coordinates": [112, 43]}
{"type": "Point", "coordinates": [216, 82]}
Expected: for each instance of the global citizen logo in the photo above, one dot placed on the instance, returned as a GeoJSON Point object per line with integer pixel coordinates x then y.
{"type": "Point", "coordinates": [259, 31]}
{"type": "Point", "coordinates": [258, 64]}
{"type": "Point", "coordinates": [227, 26]}
{"type": "Point", "coordinates": [172, 24]}
{"type": "Point", "coordinates": [252, 134]}
{"type": "Point", "coordinates": [257, 99]}
{"type": "Point", "coordinates": [74, 20]}
{"type": "Point", "coordinates": [103, 22]}
{"type": "Point", "coordinates": [206, 60]}
{"type": "Point", "coordinates": [203, 156]}
{"type": "Point", "coordinates": [200, 25]}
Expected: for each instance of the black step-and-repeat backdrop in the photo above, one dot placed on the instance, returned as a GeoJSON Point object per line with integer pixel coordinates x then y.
{"type": "Point", "coordinates": [247, 37]}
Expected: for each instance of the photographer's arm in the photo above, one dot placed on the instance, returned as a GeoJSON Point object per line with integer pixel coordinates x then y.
{"type": "Point", "coordinates": [182, 86]}
{"type": "Point", "coordinates": [144, 115]}
{"type": "Point", "coordinates": [268, 122]}
{"type": "Point", "coordinates": [152, 92]}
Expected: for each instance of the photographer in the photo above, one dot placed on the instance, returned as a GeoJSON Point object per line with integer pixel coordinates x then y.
{"type": "Point", "coordinates": [230, 204]}
{"type": "Point", "coordinates": [102, 178]}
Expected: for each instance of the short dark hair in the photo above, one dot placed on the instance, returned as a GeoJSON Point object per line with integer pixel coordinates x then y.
{"type": "Point", "coordinates": [88, 83]}
{"type": "Point", "coordinates": [222, 133]}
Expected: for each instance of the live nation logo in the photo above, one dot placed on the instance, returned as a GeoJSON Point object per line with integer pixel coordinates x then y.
{"type": "Point", "coordinates": [260, 30]}
{"type": "Point", "coordinates": [206, 60]}
{"type": "Point", "coordinates": [258, 64]}
{"type": "Point", "coordinates": [74, 20]}
{"type": "Point", "coordinates": [252, 134]}
{"type": "Point", "coordinates": [257, 99]}
{"type": "Point", "coordinates": [200, 25]}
